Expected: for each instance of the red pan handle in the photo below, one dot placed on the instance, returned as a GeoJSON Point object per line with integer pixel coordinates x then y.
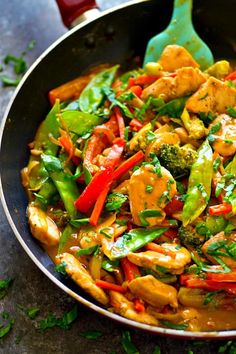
{"type": "Point", "coordinates": [71, 9]}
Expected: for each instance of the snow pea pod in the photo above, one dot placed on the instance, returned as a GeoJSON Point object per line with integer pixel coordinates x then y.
{"type": "Point", "coordinates": [199, 186]}
{"type": "Point", "coordinates": [65, 185]}
{"type": "Point", "coordinates": [50, 126]}
{"type": "Point", "coordinates": [133, 240]}
{"type": "Point", "coordinates": [65, 236]}
{"type": "Point", "coordinates": [79, 122]}
{"type": "Point", "coordinates": [92, 96]}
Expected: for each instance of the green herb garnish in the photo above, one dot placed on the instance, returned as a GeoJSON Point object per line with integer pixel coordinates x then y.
{"type": "Point", "coordinates": [127, 344]}
{"type": "Point", "coordinates": [91, 334]}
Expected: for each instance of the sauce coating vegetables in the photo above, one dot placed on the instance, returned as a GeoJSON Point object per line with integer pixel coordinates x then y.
{"type": "Point", "coordinates": [132, 190]}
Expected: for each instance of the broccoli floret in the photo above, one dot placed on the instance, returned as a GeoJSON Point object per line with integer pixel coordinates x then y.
{"type": "Point", "coordinates": [177, 159]}
{"type": "Point", "coordinates": [193, 125]}
{"type": "Point", "coordinates": [189, 236]}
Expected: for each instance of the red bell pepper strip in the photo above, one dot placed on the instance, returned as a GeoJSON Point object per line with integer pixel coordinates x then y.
{"type": "Point", "coordinates": [110, 286]}
{"type": "Point", "coordinates": [137, 90]}
{"type": "Point", "coordinates": [231, 76]}
{"type": "Point", "coordinates": [135, 125]}
{"type": "Point", "coordinates": [120, 122]}
{"type": "Point", "coordinates": [131, 82]}
{"type": "Point", "coordinates": [127, 165]}
{"type": "Point", "coordinates": [222, 277]}
{"type": "Point", "coordinates": [146, 79]}
{"type": "Point", "coordinates": [151, 246]}
{"type": "Point", "coordinates": [138, 305]}
{"type": "Point", "coordinates": [174, 206]}
{"type": "Point", "coordinates": [220, 209]}
{"type": "Point", "coordinates": [171, 233]}
{"type": "Point", "coordinates": [95, 146]}
{"type": "Point", "coordinates": [211, 285]}
{"type": "Point", "coordinates": [102, 129]}
{"type": "Point", "coordinates": [99, 204]}
{"type": "Point", "coordinates": [93, 189]}
{"type": "Point", "coordinates": [115, 153]}
{"type": "Point", "coordinates": [130, 270]}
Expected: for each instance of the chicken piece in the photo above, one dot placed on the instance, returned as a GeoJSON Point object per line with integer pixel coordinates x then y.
{"type": "Point", "coordinates": [162, 138]}
{"type": "Point", "coordinates": [122, 187]}
{"type": "Point", "coordinates": [153, 291]}
{"type": "Point", "coordinates": [162, 188]}
{"type": "Point", "coordinates": [139, 141]}
{"type": "Point", "coordinates": [42, 226]}
{"type": "Point", "coordinates": [225, 137]}
{"type": "Point", "coordinates": [157, 261]}
{"type": "Point", "coordinates": [227, 240]}
{"type": "Point", "coordinates": [213, 96]}
{"type": "Point", "coordinates": [125, 308]}
{"type": "Point", "coordinates": [174, 57]}
{"type": "Point", "coordinates": [186, 81]}
{"type": "Point", "coordinates": [81, 277]}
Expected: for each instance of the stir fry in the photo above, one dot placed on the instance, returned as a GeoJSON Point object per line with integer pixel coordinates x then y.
{"type": "Point", "coordinates": [132, 190]}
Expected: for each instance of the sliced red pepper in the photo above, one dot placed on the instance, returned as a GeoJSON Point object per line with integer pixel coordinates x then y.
{"type": "Point", "coordinates": [174, 206]}
{"type": "Point", "coordinates": [171, 233]}
{"type": "Point", "coordinates": [222, 277]}
{"type": "Point", "coordinates": [139, 305]}
{"type": "Point", "coordinates": [135, 125]}
{"type": "Point", "coordinates": [185, 277]}
{"type": "Point", "coordinates": [120, 122]}
{"type": "Point", "coordinates": [130, 270]}
{"type": "Point", "coordinates": [95, 147]}
{"type": "Point", "coordinates": [146, 79]}
{"type": "Point", "coordinates": [102, 129]}
{"type": "Point", "coordinates": [115, 153]}
{"type": "Point", "coordinates": [220, 209]}
{"type": "Point", "coordinates": [110, 286]}
{"type": "Point", "coordinates": [137, 90]}
{"type": "Point", "coordinates": [127, 165]}
{"type": "Point", "coordinates": [93, 189]}
{"type": "Point", "coordinates": [98, 207]}
{"type": "Point", "coordinates": [212, 285]}
{"type": "Point", "coordinates": [131, 81]}
{"type": "Point", "coordinates": [231, 76]}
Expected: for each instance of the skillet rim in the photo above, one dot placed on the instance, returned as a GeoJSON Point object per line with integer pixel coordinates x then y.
{"type": "Point", "coordinates": [226, 334]}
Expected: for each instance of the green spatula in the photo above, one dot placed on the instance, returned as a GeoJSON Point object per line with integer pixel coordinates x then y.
{"type": "Point", "coordinates": [180, 31]}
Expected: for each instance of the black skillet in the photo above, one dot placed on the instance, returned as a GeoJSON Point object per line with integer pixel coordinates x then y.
{"type": "Point", "coordinates": [113, 37]}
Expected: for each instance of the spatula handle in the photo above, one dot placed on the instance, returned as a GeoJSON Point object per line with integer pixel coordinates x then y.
{"type": "Point", "coordinates": [71, 9]}
{"type": "Point", "coordinates": [182, 10]}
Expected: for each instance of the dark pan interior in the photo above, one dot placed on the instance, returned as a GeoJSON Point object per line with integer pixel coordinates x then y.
{"type": "Point", "coordinates": [115, 38]}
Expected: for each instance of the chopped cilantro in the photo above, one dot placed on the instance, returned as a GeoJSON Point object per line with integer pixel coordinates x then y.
{"type": "Point", "coordinates": [215, 128]}
{"type": "Point", "coordinates": [216, 164]}
{"type": "Point", "coordinates": [127, 344]}
{"type": "Point", "coordinates": [7, 81]}
{"type": "Point", "coordinates": [149, 188]}
{"type": "Point", "coordinates": [148, 213]}
{"type": "Point", "coordinates": [104, 233]}
{"type": "Point", "coordinates": [31, 312]}
{"type": "Point", "coordinates": [61, 268]}
{"type": "Point", "coordinates": [157, 350]}
{"type": "Point", "coordinates": [150, 136]}
{"type": "Point", "coordinates": [121, 222]}
{"type": "Point", "coordinates": [232, 112]}
{"type": "Point", "coordinates": [87, 251]}
{"type": "Point", "coordinates": [109, 265]}
{"type": "Point", "coordinates": [4, 330]}
{"type": "Point", "coordinates": [210, 296]}
{"type": "Point", "coordinates": [91, 334]}
{"type": "Point", "coordinates": [4, 286]}
{"type": "Point", "coordinates": [63, 322]}
{"type": "Point", "coordinates": [173, 325]}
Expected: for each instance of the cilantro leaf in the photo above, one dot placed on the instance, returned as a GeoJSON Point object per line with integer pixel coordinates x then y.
{"type": "Point", "coordinates": [91, 334]}
{"type": "Point", "coordinates": [127, 344]}
{"type": "Point", "coordinates": [115, 201]}
{"type": "Point", "coordinates": [63, 322]}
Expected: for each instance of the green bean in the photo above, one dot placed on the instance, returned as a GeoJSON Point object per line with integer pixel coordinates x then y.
{"type": "Point", "coordinates": [92, 96]}
{"type": "Point", "coordinates": [65, 185]}
{"type": "Point", "coordinates": [199, 187]}
{"type": "Point", "coordinates": [133, 240]}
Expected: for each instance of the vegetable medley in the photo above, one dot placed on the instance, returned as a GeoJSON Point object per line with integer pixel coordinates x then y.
{"type": "Point", "coordinates": [132, 190]}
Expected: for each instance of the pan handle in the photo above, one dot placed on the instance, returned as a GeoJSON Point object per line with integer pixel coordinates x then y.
{"type": "Point", "coordinates": [74, 12]}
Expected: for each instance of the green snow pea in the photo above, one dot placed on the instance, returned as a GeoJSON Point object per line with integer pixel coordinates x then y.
{"type": "Point", "coordinates": [79, 122]}
{"type": "Point", "coordinates": [199, 186]}
{"type": "Point", "coordinates": [133, 240]}
{"type": "Point", "coordinates": [65, 236]}
{"type": "Point", "coordinates": [91, 97]}
{"type": "Point", "coordinates": [50, 125]}
{"type": "Point", "coordinates": [47, 194]}
{"type": "Point", "coordinates": [66, 186]}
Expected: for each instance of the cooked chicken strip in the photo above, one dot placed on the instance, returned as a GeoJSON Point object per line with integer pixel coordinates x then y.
{"type": "Point", "coordinates": [153, 291]}
{"type": "Point", "coordinates": [213, 96]}
{"type": "Point", "coordinates": [174, 57]}
{"type": "Point", "coordinates": [228, 240]}
{"type": "Point", "coordinates": [225, 137]}
{"type": "Point", "coordinates": [42, 226]}
{"type": "Point", "coordinates": [186, 81]}
{"type": "Point", "coordinates": [141, 200]}
{"type": "Point", "coordinates": [80, 275]}
{"type": "Point", "coordinates": [125, 308]}
{"type": "Point", "coordinates": [153, 260]}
